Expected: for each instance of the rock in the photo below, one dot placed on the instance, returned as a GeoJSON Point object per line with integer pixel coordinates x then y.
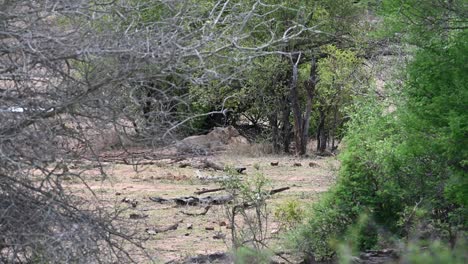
{"type": "Point", "coordinates": [313, 164]}
{"type": "Point", "coordinates": [217, 257]}
{"type": "Point", "coordinates": [184, 165]}
{"type": "Point", "coordinates": [118, 193]}
{"type": "Point", "coordinates": [218, 139]}
{"type": "Point", "coordinates": [138, 216]}
{"type": "Point", "coordinates": [297, 164]}
{"type": "Point", "coordinates": [274, 163]}
{"type": "Point", "coordinates": [189, 226]}
{"type": "Point", "coordinates": [240, 169]}
{"type": "Point", "coordinates": [156, 230]}
{"type": "Point", "coordinates": [222, 223]}
{"type": "Point", "coordinates": [151, 231]}
{"type": "Point", "coordinates": [219, 236]}
{"type": "Point", "coordinates": [274, 231]}
{"type": "Point", "coordinates": [133, 202]}
{"type": "Point", "coordinates": [187, 234]}
{"type": "Point", "coordinates": [209, 228]}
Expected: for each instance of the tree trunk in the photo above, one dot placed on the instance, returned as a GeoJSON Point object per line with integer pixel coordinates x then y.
{"type": "Point", "coordinates": [333, 132]}
{"type": "Point", "coordinates": [273, 120]}
{"type": "Point", "coordinates": [310, 89]}
{"type": "Point", "coordinates": [321, 133]}
{"type": "Point", "coordinates": [296, 108]}
{"type": "Point", "coordinates": [286, 128]}
{"type": "Point", "coordinates": [302, 121]}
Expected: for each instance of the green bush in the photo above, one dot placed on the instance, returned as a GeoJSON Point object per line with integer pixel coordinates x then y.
{"type": "Point", "coordinates": [289, 213]}
{"type": "Point", "coordinates": [434, 252]}
{"type": "Point", "coordinates": [403, 170]}
{"type": "Point", "coordinates": [247, 255]}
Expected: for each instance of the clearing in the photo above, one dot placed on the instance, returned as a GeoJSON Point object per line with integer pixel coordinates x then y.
{"type": "Point", "coordinates": [131, 187]}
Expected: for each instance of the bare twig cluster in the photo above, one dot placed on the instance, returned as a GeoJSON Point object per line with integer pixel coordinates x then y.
{"type": "Point", "coordinates": [73, 70]}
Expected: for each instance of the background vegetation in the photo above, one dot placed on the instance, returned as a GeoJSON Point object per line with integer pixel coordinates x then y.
{"type": "Point", "coordinates": [381, 83]}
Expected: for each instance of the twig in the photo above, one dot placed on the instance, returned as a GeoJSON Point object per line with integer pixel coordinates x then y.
{"type": "Point", "coordinates": [209, 190]}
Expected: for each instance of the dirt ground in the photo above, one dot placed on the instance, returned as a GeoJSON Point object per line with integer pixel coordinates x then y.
{"type": "Point", "coordinates": [203, 234]}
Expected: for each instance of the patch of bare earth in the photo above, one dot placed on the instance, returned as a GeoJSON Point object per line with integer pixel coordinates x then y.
{"type": "Point", "coordinates": [131, 187]}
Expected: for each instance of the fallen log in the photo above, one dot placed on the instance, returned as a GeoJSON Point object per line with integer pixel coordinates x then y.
{"type": "Point", "coordinates": [209, 190]}
{"type": "Point", "coordinates": [279, 190]}
{"type": "Point", "coordinates": [219, 257]}
{"type": "Point", "coordinates": [159, 200]}
{"type": "Point", "coordinates": [207, 200]}
{"type": "Point", "coordinates": [194, 201]}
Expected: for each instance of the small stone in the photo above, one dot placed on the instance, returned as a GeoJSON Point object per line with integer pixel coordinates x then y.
{"type": "Point", "coordinates": [274, 231]}
{"type": "Point", "coordinates": [209, 228]}
{"type": "Point", "coordinates": [189, 226]}
{"type": "Point", "coordinates": [219, 236]}
{"type": "Point", "coordinates": [187, 234]}
{"type": "Point", "coordinates": [275, 163]}
{"type": "Point", "coordinates": [151, 231]}
{"type": "Point", "coordinates": [313, 164]}
{"type": "Point", "coordinates": [222, 223]}
{"type": "Point", "coordinates": [138, 216]}
{"type": "Point", "coordinates": [240, 169]}
{"type": "Point", "coordinates": [118, 193]}
{"type": "Point", "coordinates": [297, 164]}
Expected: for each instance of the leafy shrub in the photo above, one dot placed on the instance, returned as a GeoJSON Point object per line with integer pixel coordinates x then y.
{"type": "Point", "coordinates": [434, 252]}
{"type": "Point", "coordinates": [247, 255]}
{"type": "Point", "coordinates": [400, 166]}
{"type": "Point", "coordinates": [248, 212]}
{"type": "Point", "coordinates": [289, 213]}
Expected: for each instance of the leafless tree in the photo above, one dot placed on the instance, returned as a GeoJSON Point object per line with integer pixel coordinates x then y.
{"type": "Point", "coordinates": [73, 69]}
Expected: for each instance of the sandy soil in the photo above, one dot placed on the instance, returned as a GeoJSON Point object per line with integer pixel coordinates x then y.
{"type": "Point", "coordinates": [167, 180]}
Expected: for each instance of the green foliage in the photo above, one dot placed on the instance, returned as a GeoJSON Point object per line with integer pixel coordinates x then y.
{"type": "Point", "coordinates": [247, 213]}
{"type": "Point", "coordinates": [406, 169]}
{"type": "Point", "coordinates": [341, 82]}
{"type": "Point", "coordinates": [251, 189]}
{"type": "Point", "coordinates": [315, 237]}
{"type": "Point", "coordinates": [437, 118]}
{"type": "Point", "coordinates": [423, 22]}
{"type": "Point", "coordinates": [247, 255]}
{"type": "Point", "coordinates": [364, 186]}
{"type": "Point", "coordinates": [435, 252]}
{"type": "Point", "coordinates": [289, 213]}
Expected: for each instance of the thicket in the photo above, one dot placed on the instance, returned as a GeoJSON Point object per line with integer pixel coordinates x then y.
{"type": "Point", "coordinates": [403, 177]}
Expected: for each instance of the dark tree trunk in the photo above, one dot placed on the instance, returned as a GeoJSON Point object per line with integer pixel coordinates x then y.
{"type": "Point", "coordinates": [335, 125]}
{"type": "Point", "coordinates": [286, 128]}
{"type": "Point", "coordinates": [310, 90]}
{"type": "Point", "coordinates": [273, 119]}
{"type": "Point", "coordinates": [148, 104]}
{"type": "Point", "coordinates": [296, 108]}
{"type": "Point", "coordinates": [302, 120]}
{"type": "Point", "coordinates": [322, 134]}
